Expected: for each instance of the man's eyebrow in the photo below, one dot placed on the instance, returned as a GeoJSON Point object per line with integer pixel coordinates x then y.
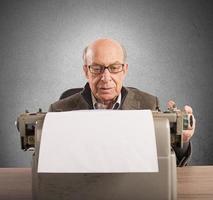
{"type": "Point", "coordinates": [97, 63]}
{"type": "Point", "coordinates": [116, 62]}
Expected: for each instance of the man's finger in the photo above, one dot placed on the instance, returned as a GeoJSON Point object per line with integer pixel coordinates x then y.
{"type": "Point", "coordinates": [171, 104]}
{"type": "Point", "coordinates": [187, 134]}
{"type": "Point", "coordinates": [188, 109]}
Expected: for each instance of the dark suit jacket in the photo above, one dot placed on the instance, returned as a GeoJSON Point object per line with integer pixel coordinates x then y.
{"type": "Point", "coordinates": [131, 99]}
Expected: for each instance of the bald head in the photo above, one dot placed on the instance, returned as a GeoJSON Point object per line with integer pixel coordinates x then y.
{"type": "Point", "coordinates": [109, 55]}
{"type": "Point", "coordinates": [105, 49]}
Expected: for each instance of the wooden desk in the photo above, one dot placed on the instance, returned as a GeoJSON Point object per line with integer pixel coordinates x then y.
{"type": "Point", "coordinates": [15, 184]}
{"type": "Point", "coordinates": [193, 183]}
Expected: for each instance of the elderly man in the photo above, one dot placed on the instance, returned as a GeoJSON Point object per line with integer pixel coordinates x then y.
{"type": "Point", "coordinates": [105, 68]}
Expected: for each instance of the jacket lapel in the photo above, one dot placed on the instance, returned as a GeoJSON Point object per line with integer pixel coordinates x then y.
{"type": "Point", "coordinates": [129, 102]}
{"type": "Point", "coordinates": [85, 102]}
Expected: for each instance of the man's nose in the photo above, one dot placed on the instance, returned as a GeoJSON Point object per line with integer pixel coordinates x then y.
{"type": "Point", "coordinates": [106, 76]}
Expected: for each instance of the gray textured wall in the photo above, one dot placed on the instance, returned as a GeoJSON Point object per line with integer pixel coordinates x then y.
{"type": "Point", "coordinates": [169, 45]}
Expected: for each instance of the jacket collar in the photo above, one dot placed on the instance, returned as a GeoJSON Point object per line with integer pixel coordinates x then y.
{"type": "Point", "coordinates": [86, 94]}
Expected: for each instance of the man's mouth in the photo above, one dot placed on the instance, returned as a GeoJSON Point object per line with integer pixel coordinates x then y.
{"type": "Point", "coordinates": [104, 89]}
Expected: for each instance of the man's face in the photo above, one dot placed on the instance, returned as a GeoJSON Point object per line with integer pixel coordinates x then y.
{"type": "Point", "coordinates": [105, 86]}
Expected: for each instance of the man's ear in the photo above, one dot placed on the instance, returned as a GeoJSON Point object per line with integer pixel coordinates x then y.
{"type": "Point", "coordinates": [125, 69]}
{"type": "Point", "coordinates": [85, 71]}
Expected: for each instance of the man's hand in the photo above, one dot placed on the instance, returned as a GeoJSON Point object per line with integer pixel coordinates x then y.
{"type": "Point", "coordinates": [187, 134]}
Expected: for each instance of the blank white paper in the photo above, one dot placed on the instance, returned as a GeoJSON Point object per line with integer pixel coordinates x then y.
{"type": "Point", "coordinates": [98, 141]}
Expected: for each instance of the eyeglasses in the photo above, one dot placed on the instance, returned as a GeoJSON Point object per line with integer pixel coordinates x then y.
{"type": "Point", "coordinates": [99, 69]}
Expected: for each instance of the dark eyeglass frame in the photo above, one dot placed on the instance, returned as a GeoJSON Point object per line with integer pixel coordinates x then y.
{"type": "Point", "coordinates": [105, 67]}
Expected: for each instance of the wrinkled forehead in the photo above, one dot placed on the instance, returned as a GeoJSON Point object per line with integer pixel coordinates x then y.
{"type": "Point", "coordinates": [104, 53]}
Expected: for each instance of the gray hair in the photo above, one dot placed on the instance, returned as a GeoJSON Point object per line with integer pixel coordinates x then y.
{"type": "Point", "coordinates": [86, 49]}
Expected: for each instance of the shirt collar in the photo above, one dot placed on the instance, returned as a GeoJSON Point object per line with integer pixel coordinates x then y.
{"type": "Point", "coordinates": [97, 105]}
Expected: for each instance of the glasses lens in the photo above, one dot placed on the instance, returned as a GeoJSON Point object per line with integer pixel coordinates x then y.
{"type": "Point", "coordinates": [96, 69]}
{"type": "Point", "coordinates": [115, 68]}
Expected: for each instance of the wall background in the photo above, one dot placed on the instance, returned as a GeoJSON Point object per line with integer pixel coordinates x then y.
{"type": "Point", "coordinates": [169, 46]}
